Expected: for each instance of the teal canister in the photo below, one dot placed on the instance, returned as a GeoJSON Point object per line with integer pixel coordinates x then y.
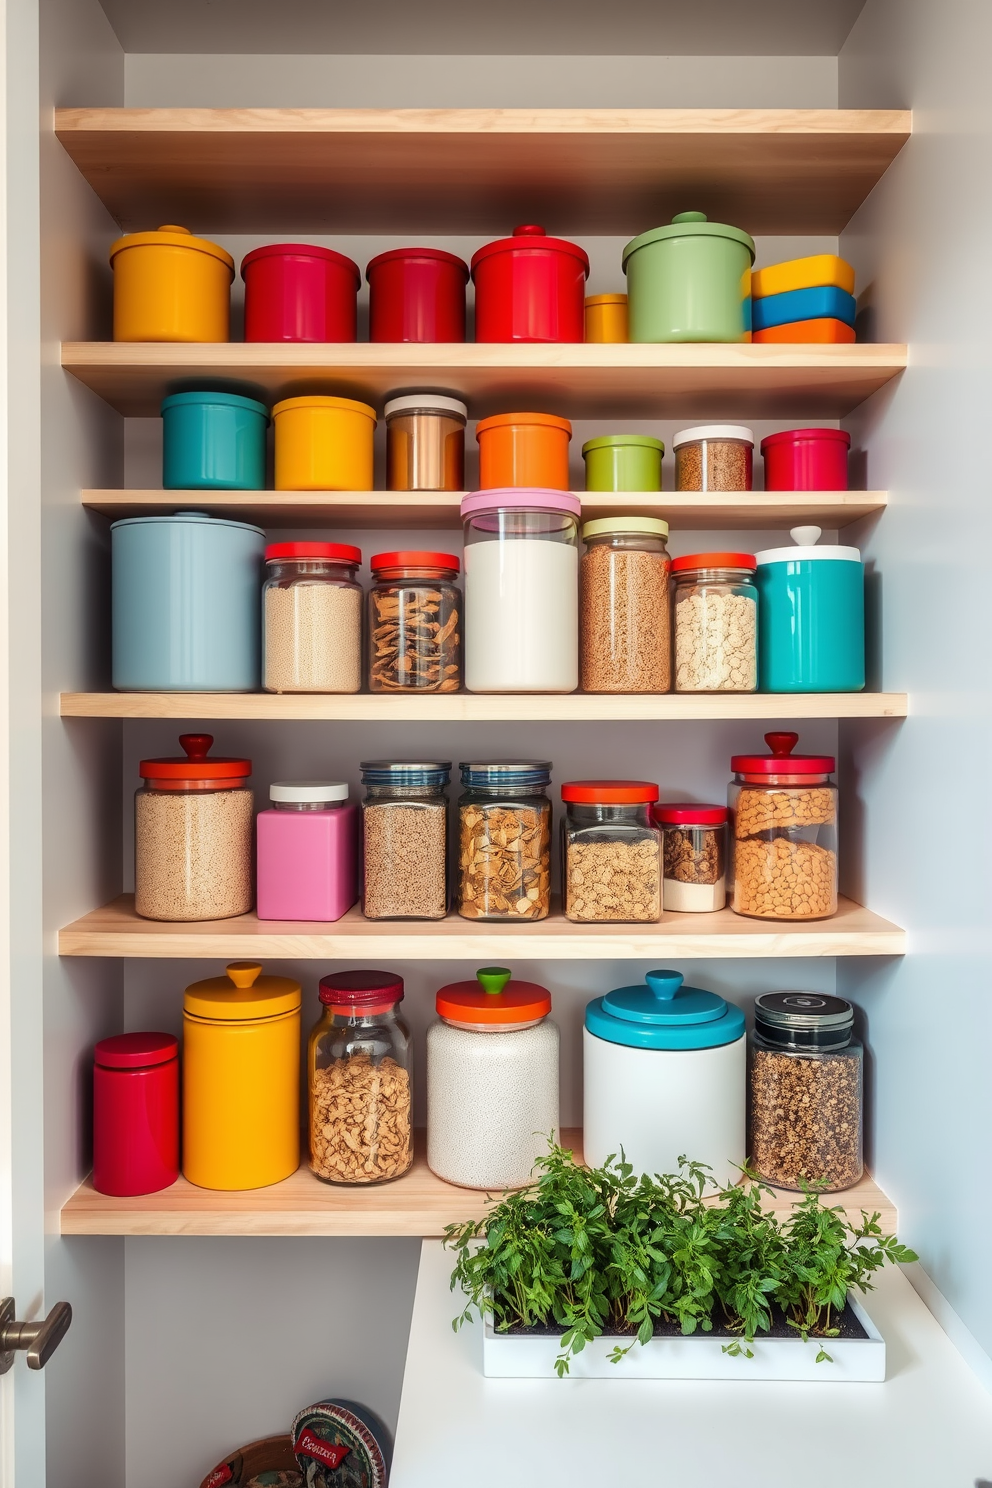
{"type": "Point", "coordinates": [811, 617]}
{"type": "Point", "coordinates": [213, 442]}
{"type": "Point", "coordinates": [186, 604]}
{"type": "Point", "coordinates": [690, 281]}
{"type": "Point", "coordinates": [623, 462]}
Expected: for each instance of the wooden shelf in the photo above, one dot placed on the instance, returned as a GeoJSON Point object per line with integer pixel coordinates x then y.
{"type": "Point", "coordinates": [577, 380]}
{"type": "Point", "coordinates": [693, 511]}
{"type": "Point", "coordinates": [115, 930]}
{"type": "Point", "coordinates": [417, 1204]}
{"type": "Point", "coordinates": [481, 170]}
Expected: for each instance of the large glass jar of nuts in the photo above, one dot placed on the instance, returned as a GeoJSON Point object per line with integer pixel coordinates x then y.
{"type": "Point", "coordinates": [624, 640]}
{"type": "Point", "coordinates": [504, 850]}
{"type": "Point", "coordinates": [716, 623]}
{"type": "Point", "coordinates": [358, 1065]}
{"type": "Point", "coordinates": [311, 618]}
{"type": "Point", "coordinates": [611, 853]}
{"type": "Point", "coordinates": [405, 835]}
{"type": "Point", "coordinates": [415, 623]}
{"type": "Point", "coordinates": [806, 1091]}
{"type": "Point", "coordinates": [784, 837]}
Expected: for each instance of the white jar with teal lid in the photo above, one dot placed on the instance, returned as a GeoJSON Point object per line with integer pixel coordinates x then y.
{"type": "Point", "coordinates": [665, 1074]}
{"type": "Point", "coordinates": [690, 281]}
{"type": "Point", "coordinates": [811, 616]}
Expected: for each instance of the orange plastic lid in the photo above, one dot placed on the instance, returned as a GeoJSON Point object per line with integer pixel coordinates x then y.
{"type": "Point", "coordinates": [609, 792]}
{"type": "Point", "coordinates": [503, 420]}
{"type": "Point", "coordinates": [714, 560]}
{"type": "Point", "coordinates": [171, 236]}
{"type": "Point", "coordinates": [195, 766]}
{"type": "Point", "coordinates": [493, 998]}
{"type": "Point", "coordinates": [243, 993]}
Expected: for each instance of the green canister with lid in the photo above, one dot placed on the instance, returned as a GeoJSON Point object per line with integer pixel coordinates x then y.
{"type": "Point", "coordinates": [690, 281]}
{"type": "Point", "coordinates": [623, 462]}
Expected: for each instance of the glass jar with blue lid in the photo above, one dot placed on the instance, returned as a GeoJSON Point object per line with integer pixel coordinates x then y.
{"type": "Point", "coordinates": [811, 616]}
{"type": "Point", "coordinates": [665, 1076]}
{"type": "Point", "coordinates": [504, 840]}
{"type": "Point", "coordinates": [405, 836]}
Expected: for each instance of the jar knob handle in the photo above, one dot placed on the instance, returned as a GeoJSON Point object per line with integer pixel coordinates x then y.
{"type": "Point", "coordinates": [681, 217]}
{"type": "Point", "coordinates": [806, 537]}
{"type": "Point", "coordinates": [196, 745]}
{"type": "Point", "coordinates": [781, 744]}
{"type": "Point", "coordinates": [244, 973]}
{"type": "Point", "coordinates": [492, 979]}
{"type": "Point", "coordinates": [529, 230]}
{"type": "Point", "coordinates": [664, 984]}
{"type": "Point", "coordinates": [175, 228]}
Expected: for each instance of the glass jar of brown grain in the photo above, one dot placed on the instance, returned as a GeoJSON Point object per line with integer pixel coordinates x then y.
{"type": "Point", "coordinates": [405, 838]}
{"type": "Point", "coordinates": [624, 614]}
{"type": "Point", "coordinates": [714, 457]}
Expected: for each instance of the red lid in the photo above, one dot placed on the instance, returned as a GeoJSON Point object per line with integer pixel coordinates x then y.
{"type": "Point", "coordinates": [301, 250]}
{"type": "Point", "coordinates": [136, 1050]}
{"type": "Point", "coordinates": [438, 253]}
{"type": "Point", "coordinates": [361, 989]}
{"type": "Point", "coordinates": [406, 559]}
{"type": "Point", "coordinates": [786, 436]}
{"type": "Point", "coordinates": [688, 814]}
{"type": "Point", "coordinates": [609, 792]}
{"type": "Point", "coordinates": [529, 236]}
{"type": "Point", "coordinates": [493, 998]}
{"type": "Point", "coordinates": [714, 560]}
{"type": "Point", "coordinates": [195, 766]}
{"type": "Point", "coordinates": [782, 761]}
{"type": "Point", "coordinates": [338, 552]}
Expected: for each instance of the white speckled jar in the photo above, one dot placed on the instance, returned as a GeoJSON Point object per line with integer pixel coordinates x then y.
{"type": "Point", "coordinates": [492, 1081]}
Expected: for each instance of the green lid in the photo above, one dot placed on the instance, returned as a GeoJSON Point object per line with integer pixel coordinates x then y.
{"type": "Point", "coordinates": [605, 440]}
{"type": "Point", "coordinates": [635, 526]}
{"type": "Point", "coordinates": [690, 225]}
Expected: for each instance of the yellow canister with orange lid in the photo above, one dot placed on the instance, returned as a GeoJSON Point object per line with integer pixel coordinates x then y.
{"type": "Point", "coordinates": [241, 1079]}
{"type": "Point", "coordinates": [171, 286]}
{"type": "Point", "coordinates": [606, 318]}
{"type": "Point", "coordinates": [523, 449]}
{"type": "Point", "coordinates": [323, 444]}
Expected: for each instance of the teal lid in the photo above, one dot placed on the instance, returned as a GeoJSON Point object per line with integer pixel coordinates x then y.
{"type": "Point", "coordinates": [690, 225]}
{"type": "Point", "coordinates": [663, 1014]}
{"type": "Point", "coordinates": [215, 400]}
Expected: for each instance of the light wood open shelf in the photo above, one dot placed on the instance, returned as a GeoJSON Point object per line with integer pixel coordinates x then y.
{"type": "Point", "coordinates": [481, 170]}
{"type": "Point", "coordinates": [417, 1204]}
{"type": "Point", "coordinates": [438, 510]}
{"type": "Point", "coordinates": [576, 380]}
{"type": "Point", "coordinates": [115, 930]}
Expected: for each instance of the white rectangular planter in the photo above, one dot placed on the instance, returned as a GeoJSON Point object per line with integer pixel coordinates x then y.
{"type": "Point", "coordinates": [700, 1356]}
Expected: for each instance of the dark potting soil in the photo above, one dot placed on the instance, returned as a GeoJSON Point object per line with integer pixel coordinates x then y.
{"type": "Point", "coordinates": [846, 1322]}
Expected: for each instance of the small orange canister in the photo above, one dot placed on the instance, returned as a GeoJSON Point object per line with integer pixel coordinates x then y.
{"type": "Point", "coordinates": [170, 286]}
{"type": "Point", "coordinates": [241, 1079]}
{"type": "Point", "coordinates": [523, 449]}
{"type": "Point", "coordinates": [323, 444]}
{"type": "Point", "coordinates": [606, 317]}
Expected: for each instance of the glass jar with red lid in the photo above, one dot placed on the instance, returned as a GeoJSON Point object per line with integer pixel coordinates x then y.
{"type": "Point", "coordinates": [695, 856]}
{"type": "Point", "coordinates": [610, 852]}
{"type": "Point", "coordinates": [783, 808]}
{"type": "Point", "coordinates": [415, 623]}
{"type": "Point", "coordinates": [359, 1066]}
{"type": "Point", "coordinates": [530, 288]}
{"type": "Point", "coordinates": [193, 820]}
{"type": "Point", "coordinates": [135, 1113]}
{"type": "Point", "coordinates": [311, 618]}
{"type": "Point", "coordinates": [715, 622]}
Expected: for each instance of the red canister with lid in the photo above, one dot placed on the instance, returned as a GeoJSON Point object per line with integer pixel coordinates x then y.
{"type": "Point", "coordinates": [135, 1113]}
{"type": "Point", "coordinates": [417, 294]}
{"type": "Point", "coordinates": [806, 460]}
{"type": "Point", "coordinates": [530, 288]}
{"type": "Point", "coordinates": [297, 292]}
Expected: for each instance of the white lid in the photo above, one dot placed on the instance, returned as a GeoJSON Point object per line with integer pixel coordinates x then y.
{"type": "Point", "coordinates": [308, 790]}
{"type": "Point", "coordinates": [805, 537]}
{"type": "Point", "coordinates": [713, 431]}
{"type": "Point", "coordinates": [425, 403]}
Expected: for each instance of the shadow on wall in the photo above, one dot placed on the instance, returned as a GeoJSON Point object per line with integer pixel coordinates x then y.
{"type": "Point", "coordinates": [864, 744]}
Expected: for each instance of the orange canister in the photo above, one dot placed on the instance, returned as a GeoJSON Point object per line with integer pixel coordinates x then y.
{"type": "Point", "coordinates": [323, 444]}
{"type": "Point", "coordinates": [606, 317]}
{"type": "Point", "coordinates": [241, 1079]}
{"type": "Point", "coordinates": [170, 286]}
{"type": "Point", "coordinates": [523, 449]}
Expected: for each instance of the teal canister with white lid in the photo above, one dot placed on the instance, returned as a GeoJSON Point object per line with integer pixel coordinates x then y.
{"type": "Point", "coordinates": [811, 616]}
{"type": "Point", "coordinates": [690, 281]}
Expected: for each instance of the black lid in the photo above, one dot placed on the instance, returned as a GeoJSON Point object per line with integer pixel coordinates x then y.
{"type": "Point", "coordinates": [810, 1020]}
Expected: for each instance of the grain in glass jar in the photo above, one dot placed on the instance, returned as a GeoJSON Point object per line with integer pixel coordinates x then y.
{"type": "Point", "coordinates": [193, 821]}
{"type": "Point", "coordinates": [359, 1064]}
{"type": "Point", "coordinates": [311, 618]}
{"type": "Point", "coordinates": [716, 623]}
{"type": "Point", "coordinates": [504, 841]}
{"type": "Point", "coordinates": [783, 808]}
{"type": "Point", "coordinates": [611, 852]}
{"type": "Point", "coordinates": [415, 623]}
{"type": "Point", "coordinates": [695, 856]}
{"type": "Point", "coordinates": [624, 629]}
{"type": "Point", "coordinates": [806, 1091]}
{"type": "Point", "coordinates": [425, 443]}
{"type": "Point", "coordinates": [714, 457]}
{"type": "Point", "coordinates": [405, 836]}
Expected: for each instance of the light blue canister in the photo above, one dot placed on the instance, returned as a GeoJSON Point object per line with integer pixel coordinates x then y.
{"type": "Point", "coordinates": [186, 604]}
{"type": "Point", "coordinates": [213, 442]}
{"type": "Point", "coordinates": [811, 617]}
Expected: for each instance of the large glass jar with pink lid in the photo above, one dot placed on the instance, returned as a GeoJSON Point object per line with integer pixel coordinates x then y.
{"type": "Point", "coordinates": [521, 590]}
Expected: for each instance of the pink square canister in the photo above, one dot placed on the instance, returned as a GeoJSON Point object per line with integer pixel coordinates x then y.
{"type": "Point", "coordinates": [307, 852]}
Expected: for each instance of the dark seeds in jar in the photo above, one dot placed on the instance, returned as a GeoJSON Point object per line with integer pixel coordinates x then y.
{"type": "Point", "coordinates": [806, 1119]}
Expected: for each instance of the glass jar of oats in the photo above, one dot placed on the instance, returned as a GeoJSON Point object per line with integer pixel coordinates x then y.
{"type": "Point", "coordinates": [504, 841]}
{"type": "Point", "coordinates": [610, 852]}
{"type": "Point", "coordinates": [715, 619]}
{"type": "Point", "coordinates": [405, 835]}
{"type": "Point", "coordinates": [193, 820]}
{"type": "Point", "coordinates": [311, 618]}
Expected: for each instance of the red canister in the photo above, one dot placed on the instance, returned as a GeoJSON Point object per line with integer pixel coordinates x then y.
{"type": "Point", "coordinates": [806, 460]}
{"type": "Point", "coordinates": [135, 1113]}
{"type": "Point", "coordinates": [530, 288]}
{"type": "Point", "coordinates": [417, 294]}
{"type": "Point", "coordinates": [295, 292]}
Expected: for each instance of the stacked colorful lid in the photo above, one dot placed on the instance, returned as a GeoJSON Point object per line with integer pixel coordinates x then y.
{"type": "Point", "coordinates": [805, 299]}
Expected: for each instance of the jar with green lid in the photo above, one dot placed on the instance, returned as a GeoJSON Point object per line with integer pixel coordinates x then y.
{"type": "Point", "coordinates": [624, 625]}
{"type": "Point", "coordinates": [690, 281]}
{"type": "Point", "coordinates": [623, 462]}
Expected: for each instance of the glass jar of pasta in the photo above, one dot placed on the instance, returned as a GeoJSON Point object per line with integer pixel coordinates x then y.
{"type": "Point", "coordinates": [415, 623]}
{"type": "Point", "coordinates": [504, 852]}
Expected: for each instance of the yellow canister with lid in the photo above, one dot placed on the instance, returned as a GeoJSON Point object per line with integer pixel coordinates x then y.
{"type": "Point", "coordinates": [323, 444]}
{"type": "Point", "coordinates": [241, 1079]}
{"type": "Point", "coordinates": [171, 286]}
{"type": "Point", "coordinates": [606, 317]}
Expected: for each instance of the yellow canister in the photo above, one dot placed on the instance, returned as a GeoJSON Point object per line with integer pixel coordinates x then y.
{"type": "Point", "coordinates": [170, 286]}
{"type": "Point", "coordinates": [323, 444]}
{"type": "Point", "coordinates": [606, 317]}
{"type": "Point", "coordinates": [241, 1079]}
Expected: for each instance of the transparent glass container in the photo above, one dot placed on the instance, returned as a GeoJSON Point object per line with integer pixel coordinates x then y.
{"type": "Point", "coordinates": [504, 841]}
{"type": "Point", "coordinates": [714, 457]}
{"type": "Point", "coordinates": [311, 618]}
{"type": "Point", "coordinates": [415, 623]}
{"type": "Point", "coordinates": [624, 614]}
{"type": "Point", "coordinates": [359, 1064]}
{"type": "Point", "coordinates": [405, 836]}
{"type": "Point", "coordinates": [610, 852]}
{"type": "Point", "coordinates": [694, 857]}
{"type": "Point", "coordinates": [806, 1091]}
{"type": "Point", "coordinates": [716, 623]}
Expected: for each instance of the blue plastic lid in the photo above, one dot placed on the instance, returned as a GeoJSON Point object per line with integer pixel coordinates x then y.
{"type": "Point", "coordinates": [202, 518]}
{"type": "Point", "coordinates": [664, 1015]}
{"type": "Point", "coordinates": [503, 773]}
{"type": "Point", "coordinates": [229, 400]}
{"type": "Point", "coordinates": [405, 772]}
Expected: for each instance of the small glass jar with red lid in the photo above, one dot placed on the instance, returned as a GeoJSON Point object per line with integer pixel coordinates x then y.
{"type": "Point", "coordinates": [193, 827]}
{"type": "Point", "coordinates": [135, 1113]}
{"type": "Point", "coordinates": [611, 852]}
{"type": "Point", "coordinates": [359, 1068]}
{"type": "Point", "coordinates": [415, 623]}
{"type": "Point", "coordinates": [311, 618]}
{"type": "Point", "coordinates": [695, 856]}
{"type": "Point", "coordinates": [783, 808]}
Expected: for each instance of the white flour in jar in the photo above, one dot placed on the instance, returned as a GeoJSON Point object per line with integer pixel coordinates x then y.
{"type": "Point", "coordinates": [521, 616]}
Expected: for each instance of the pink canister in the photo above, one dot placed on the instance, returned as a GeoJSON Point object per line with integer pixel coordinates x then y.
{"type": "Point", "coordinates": [806, 460]}
{"type": "Point", "coordinates": [307, 852]}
